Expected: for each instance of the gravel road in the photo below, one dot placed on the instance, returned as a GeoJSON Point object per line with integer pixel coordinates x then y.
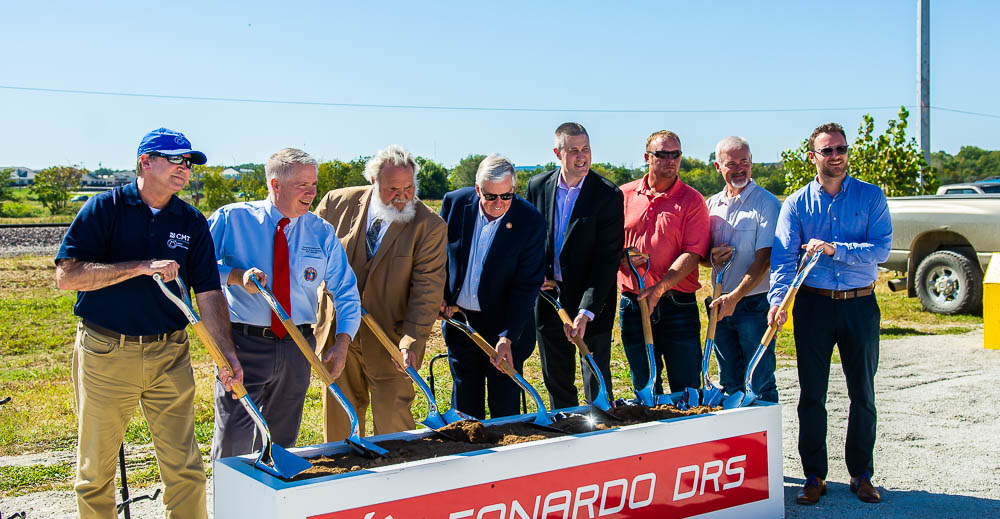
{"type": "Point", "coordinates": [43, 241]}
{"type": "Point", "coordinates": [937, 452]}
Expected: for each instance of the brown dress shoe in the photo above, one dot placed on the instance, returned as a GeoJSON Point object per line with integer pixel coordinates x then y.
{"type": "Point", "coordinates": [809, 495]}
{"type": "Point", "coordinates": [862, 486]}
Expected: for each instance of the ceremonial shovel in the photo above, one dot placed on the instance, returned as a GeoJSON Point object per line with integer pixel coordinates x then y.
{"type": "Point", "coordinates": [710, 394]}
{"type": "Point", "coordinates": [542, 419]}
{"type": "Point", "coordinates": [601, 401]}
{"type": "Point", "coordinates": [747, 396]}
{"type": "Point", "coordinates": [435, 419]}
{"type": "Point", "coordinates": [359, 444]}
{"type": "Point", "coordinates": [273, 458]}
{"type": "Point", "coordinates": [645, 393]}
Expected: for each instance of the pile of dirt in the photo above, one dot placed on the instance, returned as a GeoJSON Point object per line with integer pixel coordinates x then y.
{"type": "Point", "coordinates": [469, 435]}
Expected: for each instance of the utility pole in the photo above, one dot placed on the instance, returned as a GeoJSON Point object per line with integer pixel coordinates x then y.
{"type": "Point", "coordinates": [924, 80]}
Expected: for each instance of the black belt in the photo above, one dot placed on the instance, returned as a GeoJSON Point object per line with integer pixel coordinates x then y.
{"type": "Point", "coordinates": [266, 332]}
{"type": "Point", "coordinates": [671, 295]}
{"type": "Point", "coordinates": [840, 294]}
{"type": "Point", "coordinates": [141, 339]}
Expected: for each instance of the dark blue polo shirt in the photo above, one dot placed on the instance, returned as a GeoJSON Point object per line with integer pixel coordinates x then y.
{"type": "Point", "coordinates": [117, 226]}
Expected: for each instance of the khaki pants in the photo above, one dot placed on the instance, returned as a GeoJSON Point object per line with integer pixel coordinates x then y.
{"type": "Point", "coordinates": [374, 381]}
{"type": "Point", "coordinates": [111, 376]}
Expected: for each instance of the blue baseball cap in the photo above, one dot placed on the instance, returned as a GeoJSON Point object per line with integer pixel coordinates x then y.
{"type": "Point", "coordinates": [169, 142]}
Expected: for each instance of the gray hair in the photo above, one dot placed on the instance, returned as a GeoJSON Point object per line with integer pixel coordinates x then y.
{"type": "Point", "coordinates": [730, 144]}
{"type": "Point", "coordinates": [393, 154]}
{"type": "Point", "coordinates": [569, 130]}
{"type": "Point", "coordinates": [494, 168]}
{"type": "Point", "coordinates": [281, 163]}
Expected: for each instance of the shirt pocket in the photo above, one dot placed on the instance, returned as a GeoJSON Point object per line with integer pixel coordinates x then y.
{"type": "Point", "coordinates": [745, 235]}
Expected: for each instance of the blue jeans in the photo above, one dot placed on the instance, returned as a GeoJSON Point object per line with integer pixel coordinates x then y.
{"type": "Point", "coordinates": [736, 339]}
{"type": "Point", "coordinates": [676, 334]}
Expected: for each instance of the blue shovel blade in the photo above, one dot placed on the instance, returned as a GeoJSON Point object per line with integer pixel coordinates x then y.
{"type": "Point", "coordinates": [645, 394]}
{"type": "Point", "coordinates": [284, 464]}
{"type": "Point", "coordinates": [365, 447]}
{"type": "Point", "coordinates": [434, 419]}
{"type": "Point", "coordinates": [733, 401]}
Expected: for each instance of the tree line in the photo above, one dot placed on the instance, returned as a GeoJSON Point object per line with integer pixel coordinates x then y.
{"type": "Point", "coordinates": [889, 160]}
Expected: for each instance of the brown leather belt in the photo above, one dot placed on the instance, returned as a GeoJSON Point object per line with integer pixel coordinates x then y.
{"type": "Point", "coordinates": [840, 294]}
{"type": "Point", "coordinates": [141, 339]}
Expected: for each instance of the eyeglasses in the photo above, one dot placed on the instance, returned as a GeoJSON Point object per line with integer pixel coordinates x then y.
{"type": "Point", "coordinates": [489, 197]}
{"type": "Point", "coordinates": [829, 151]}
{"type": "Point", "coordinates": [663, 154]}
{"type": "Point", "coordinates": [173, 159]}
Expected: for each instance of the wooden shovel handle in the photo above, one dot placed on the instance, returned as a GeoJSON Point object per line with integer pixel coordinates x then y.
{"type": "Point", "coordinates": [384, 339]}
{"type": "Point", "coordinates": [488, 349]}
{"type": "Point", "coordinates": [647, 326]}
{"type": "Point", "coordinates": [217, 356]}
{"type": "Point", "coordinates": [307, 352]}
{"type": "Point", "coordinates": [713, 313]}
{"type": "Point", "coordinates": [582, 346]}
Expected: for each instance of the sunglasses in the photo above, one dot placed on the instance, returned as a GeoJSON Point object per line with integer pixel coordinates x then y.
{"type": "Point", "coordinates": [664, 154]}
{"type": "Point", "coordinates": [173, 159]}
{"type": "Point", "coordinates": [829, 151]}
{"type": "Point", "coordinates": [489, 197]}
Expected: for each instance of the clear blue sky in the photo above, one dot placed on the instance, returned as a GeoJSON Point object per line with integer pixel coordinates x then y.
{"type": "Point", "coordinates": [546, 55]}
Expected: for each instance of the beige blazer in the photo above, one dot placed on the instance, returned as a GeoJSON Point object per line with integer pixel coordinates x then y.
{"type": "Point", "coordinates": [402, 286]}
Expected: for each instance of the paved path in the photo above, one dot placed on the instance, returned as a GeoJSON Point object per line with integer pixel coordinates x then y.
{"type": "Point", "coordinates": [937, 453]}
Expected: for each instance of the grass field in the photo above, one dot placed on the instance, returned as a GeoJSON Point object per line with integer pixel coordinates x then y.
{"type": "Point", "coordinates": [36, 340]}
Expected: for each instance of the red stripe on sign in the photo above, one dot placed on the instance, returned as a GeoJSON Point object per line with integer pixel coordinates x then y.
{"type": "Point", "coordinates": [679, 482]}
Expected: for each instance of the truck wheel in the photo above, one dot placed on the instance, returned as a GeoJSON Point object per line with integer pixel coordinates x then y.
{"type": "Point", "coordinates": [949, 283]}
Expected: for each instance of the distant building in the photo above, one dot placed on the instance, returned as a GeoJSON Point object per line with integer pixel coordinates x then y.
{"type": "Point", "coordinates": [19, 176]}
{"type": "Point", "coordinates": [231, 173]}
{"type": "Point", "coordinates": [122, 177]}
{"type": "Point", "coordinates": [91, 180]}
{"type": "Point", "coordinates": [527, 168]}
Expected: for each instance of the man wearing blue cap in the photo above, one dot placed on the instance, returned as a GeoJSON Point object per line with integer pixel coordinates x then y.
{"type": "Point", "coordinates": [131, 346]}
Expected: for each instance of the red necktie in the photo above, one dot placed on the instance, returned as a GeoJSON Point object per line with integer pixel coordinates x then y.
{"type": "Point", "coordinates": [279, 278]}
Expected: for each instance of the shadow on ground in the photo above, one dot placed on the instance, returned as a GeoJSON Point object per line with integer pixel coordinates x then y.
{"type": "Point", "coordinates": [839, 501]}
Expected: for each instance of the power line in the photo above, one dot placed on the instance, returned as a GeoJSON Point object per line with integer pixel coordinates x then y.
{"type": "Point", "coordinates": [967, 112]}
{"type": "Point", "coordinates": [437, 107]}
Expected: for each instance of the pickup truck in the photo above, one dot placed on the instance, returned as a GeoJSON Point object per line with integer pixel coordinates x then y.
{"type": "Point", "coordinates": [943, 244]}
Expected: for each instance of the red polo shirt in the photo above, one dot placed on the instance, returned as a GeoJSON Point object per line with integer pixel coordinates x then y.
{"type": "Point", "coordinates": [664, 225]}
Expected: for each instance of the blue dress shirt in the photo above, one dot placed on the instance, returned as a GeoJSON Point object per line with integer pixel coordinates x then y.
{"type": "Point", "coordinates": [244, 237]}
{"type": "Point", "coordinates": [856, 221]}
{"type": "Point", "coordinates": [565, 201]}
{"type": "Point", "coordinates": [482, 238]}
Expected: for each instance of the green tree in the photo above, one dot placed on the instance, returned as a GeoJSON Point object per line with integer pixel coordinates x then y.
{"type": "Point", "coordinates": [770, 177]}
{"type": "Point", "coordinates": [5, 193]}
{"type": "Point", "coordinates": [53, 185]}
{"type": "Point", "coordinates": [433, 178]}
{"type": "Point", "coordinates": [251, 183]}
{"type": "Point", "coordinates": [218, 188]}
{"type": "Point", "coordinates": [464, 173]}
{"type": "Point", "coordinates": [889, 161]}
{"type": "Point", "coordinates": [706, 180]}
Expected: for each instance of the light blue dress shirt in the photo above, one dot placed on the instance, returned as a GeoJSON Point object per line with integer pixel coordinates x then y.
{"type": "Point", "coordinates": [565, 201]}
{"type": "Point", "coordinates": [482, 238]}
{"type": "Point", "coordinates": [244, 237]}
{"type": "Point", "coordinates": [856, 221]}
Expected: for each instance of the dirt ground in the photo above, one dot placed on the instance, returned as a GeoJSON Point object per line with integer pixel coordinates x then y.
{"type": "Point", "coordinates": [936, 456]}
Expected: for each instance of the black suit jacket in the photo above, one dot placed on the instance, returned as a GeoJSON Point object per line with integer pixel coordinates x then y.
{"type": "Point", "coordinates": [512, 272]}
{"type": "Point", "coordinates": [592, 246]}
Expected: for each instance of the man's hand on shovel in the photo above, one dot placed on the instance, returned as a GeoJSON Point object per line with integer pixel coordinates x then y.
{"type": "Point", "coordinates": [578, 329]}
{"type": "Point", "coordinates": [726, 303]}
{"type": "Point", "coordinates": [336, 356]}
{"type": "Point", "coordinates": [503, 353]}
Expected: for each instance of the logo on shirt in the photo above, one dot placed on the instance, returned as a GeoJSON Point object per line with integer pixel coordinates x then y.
{"type": "Point", "coordinates": [309, 274]}
{"type": "Point", "coordinates": [178, 240]}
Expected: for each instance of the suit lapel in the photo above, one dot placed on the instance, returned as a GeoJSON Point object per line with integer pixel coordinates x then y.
{"type": "Point", "coordinates": [469, 216]}
{"type": "Point", "coordinates": [550, 213]}
{"type": "Point", "coordinates": [502, 242]}
{"type": "Point", "coordinates": [358, 252]}
{"type": "Point", "coordinates": [393, 232]}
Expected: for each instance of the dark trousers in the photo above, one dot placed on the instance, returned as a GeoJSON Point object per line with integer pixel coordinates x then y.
{"type": "Point", "coordinates": [853, 325]}
{"type": "Point", "coordinates": [276, 377]}
{"type": "Point", "coordinates": [475, 380]}
{"type": "Point", "coordinates": [558, 356]}
{"type": "Point", "coordinates": [736, 339]}
{"type": "Point", "coordinates": [676, 333]}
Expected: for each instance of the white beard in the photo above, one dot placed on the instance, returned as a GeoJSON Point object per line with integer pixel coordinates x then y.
{"type": "Point", "coordinates": [388, 213]}
{"type": "Point", "coordinates": [741, 185]}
